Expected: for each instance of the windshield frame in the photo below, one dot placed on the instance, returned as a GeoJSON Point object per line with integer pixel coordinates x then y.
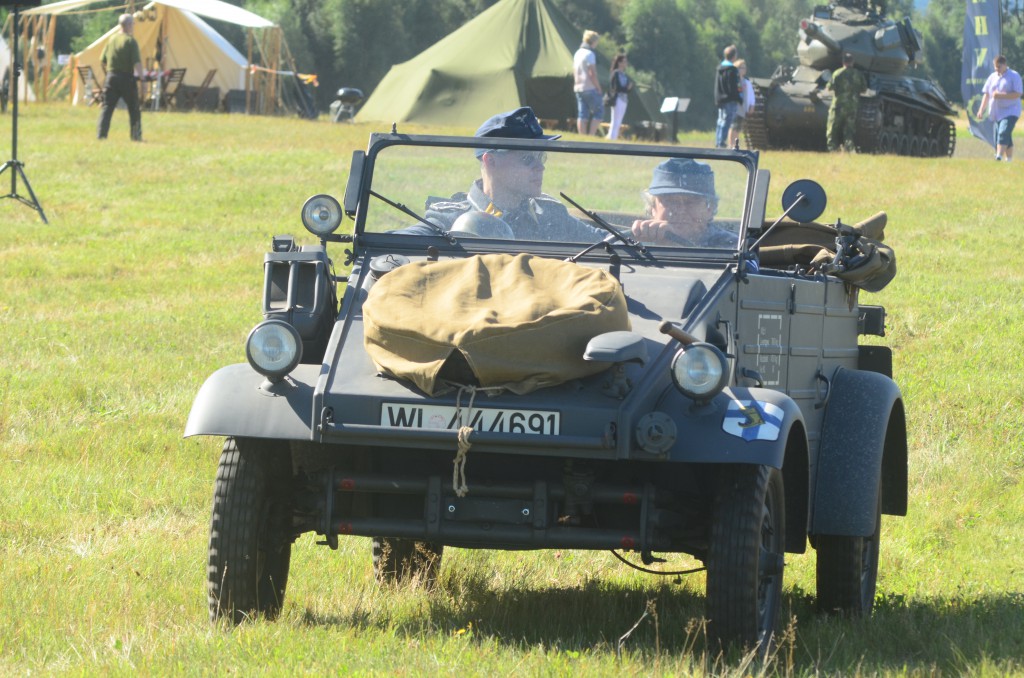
{"type": "Point", "coordinates": [365, 164]}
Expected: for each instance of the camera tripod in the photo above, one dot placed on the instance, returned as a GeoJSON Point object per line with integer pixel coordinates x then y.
{"type": "Point", "coordinates": [15, 165]}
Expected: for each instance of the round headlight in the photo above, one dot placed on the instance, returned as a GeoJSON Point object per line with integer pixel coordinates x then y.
{"type": "Point", "coordinates": [700, 371]}
{"type": "Point", "coordinates": [273, 348]}
{"type": "Point", "coordinates": [321, 215]}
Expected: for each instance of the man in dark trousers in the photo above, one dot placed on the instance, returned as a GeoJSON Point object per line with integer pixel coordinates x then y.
{"type": "Point", "coordinates": [728, 94]}
{"type": "Point", "coordinates": [123, 63]}
{"type": "Point", "coordinates": [847, 84]}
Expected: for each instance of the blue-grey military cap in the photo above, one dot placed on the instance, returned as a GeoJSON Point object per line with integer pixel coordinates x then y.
{"type": "Point", "coordinates": [683, 175]}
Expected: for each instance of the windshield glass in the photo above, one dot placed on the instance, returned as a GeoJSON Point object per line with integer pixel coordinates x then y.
{"type": "Point", "coordinates": [682, 200]}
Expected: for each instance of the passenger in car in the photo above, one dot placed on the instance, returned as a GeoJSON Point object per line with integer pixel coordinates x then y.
{"type": "Point", "coordinates": [510, 188]}
{"type": "Point", "coordinates": [680, 204]}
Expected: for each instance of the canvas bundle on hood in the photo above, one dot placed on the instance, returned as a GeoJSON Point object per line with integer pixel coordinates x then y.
{"type": "Point", "coordinates": [519, 322]}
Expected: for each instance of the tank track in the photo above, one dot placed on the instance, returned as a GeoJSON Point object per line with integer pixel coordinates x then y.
{"type": "Point", "coordinates": [755, 128]}
{"type": "Point", "coordinates": [906, 129]}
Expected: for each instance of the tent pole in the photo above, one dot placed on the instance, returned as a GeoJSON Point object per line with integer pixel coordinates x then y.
{"type": "Point", "coordinates": [277, 68]}
{"type": "Point", "coordinates": [47, 72]}
{"type": "Point", "coordinates": [249, 75]}
{"type": "Point", "coordinates": [73, 65]}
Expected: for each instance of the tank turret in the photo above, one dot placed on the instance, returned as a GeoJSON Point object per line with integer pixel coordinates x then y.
{"type": "Point", "coordinates": [807, 49]}
{"type": "Point", "coordinates": [903, 112]}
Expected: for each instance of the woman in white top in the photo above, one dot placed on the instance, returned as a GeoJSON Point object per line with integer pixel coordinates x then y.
{"type": "Point", "coordinates": [748, 105]}
{"type": "Point", "coordinates": [619, 86]}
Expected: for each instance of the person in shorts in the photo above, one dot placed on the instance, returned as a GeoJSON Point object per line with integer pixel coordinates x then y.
{"type": "Point", "coordinates": [1002, 95]}
{"type": "Point", "coordinates": [589, 101]}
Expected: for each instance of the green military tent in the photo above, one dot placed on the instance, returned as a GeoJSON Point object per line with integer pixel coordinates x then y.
{"type": "Point", "coordinates": [516, 53]}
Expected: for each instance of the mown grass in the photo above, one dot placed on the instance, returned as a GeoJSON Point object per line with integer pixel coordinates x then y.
{"type": "Point", "coordinates": [147, 279]}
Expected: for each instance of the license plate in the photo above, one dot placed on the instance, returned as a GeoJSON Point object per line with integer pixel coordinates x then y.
{"type": "Point", "coordinates": [404, 415]}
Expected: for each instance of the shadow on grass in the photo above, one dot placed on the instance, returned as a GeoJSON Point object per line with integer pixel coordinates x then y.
{"type": "Point", "coordinates": [931, 634]}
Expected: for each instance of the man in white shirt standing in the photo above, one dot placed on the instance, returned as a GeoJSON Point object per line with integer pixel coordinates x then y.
{"type": "Point", "coordinates": [589, 104]}
{"type": "Point", "coordinates": [1003, 91]}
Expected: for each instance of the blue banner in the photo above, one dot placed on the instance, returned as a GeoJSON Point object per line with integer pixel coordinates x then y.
{"type": "Point", "coordinates": [982, 43]}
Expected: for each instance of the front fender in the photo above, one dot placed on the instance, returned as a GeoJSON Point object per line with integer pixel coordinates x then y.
{"type": "Point", "coordinates": [236, 401]}
{"type": "Point", "coordinates": [740, 426]}
{"type": "Point", "coordinates": [863, 448]}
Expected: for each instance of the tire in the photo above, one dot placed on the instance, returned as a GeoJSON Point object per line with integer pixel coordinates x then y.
{"type": "Point", "coordinates": [847, 571]}
{"type": "Point", "coordinates": [250, 531]}
{"type": "Point", "coordinates": [398, 561]}
{"type": "Point", "coordinates": [746, 558]}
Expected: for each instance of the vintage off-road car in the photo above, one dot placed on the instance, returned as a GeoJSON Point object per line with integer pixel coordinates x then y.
{"type": "Point", "coordinates": [464, 387]}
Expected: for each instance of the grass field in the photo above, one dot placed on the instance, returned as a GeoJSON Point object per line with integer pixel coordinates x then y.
{"type": "Point", "coordinates": [147, 279]}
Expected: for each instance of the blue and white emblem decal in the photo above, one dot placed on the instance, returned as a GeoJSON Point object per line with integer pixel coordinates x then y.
{"type": "Point", "coordinates": [752, 420]}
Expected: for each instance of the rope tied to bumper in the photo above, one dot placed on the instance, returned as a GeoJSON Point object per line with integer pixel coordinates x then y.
{"type": "Point", "coordinates": [465, 418]}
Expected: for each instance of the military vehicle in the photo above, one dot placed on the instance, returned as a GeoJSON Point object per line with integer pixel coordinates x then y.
{"type": "Point", "coordinates": [903, 113]}
{"type": "Point", "coordinates": [461, 388]}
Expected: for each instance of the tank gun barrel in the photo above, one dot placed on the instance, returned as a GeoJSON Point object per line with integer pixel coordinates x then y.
{"type": "Point", "coordinates": [814, 32]}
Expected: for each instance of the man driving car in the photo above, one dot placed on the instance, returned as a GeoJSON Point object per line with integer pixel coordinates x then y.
{"type": "Point", "coordinates": [510, 189]}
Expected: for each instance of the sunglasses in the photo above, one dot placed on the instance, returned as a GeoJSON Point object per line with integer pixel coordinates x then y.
{"type": "Point", "coordinates": [527, 158]}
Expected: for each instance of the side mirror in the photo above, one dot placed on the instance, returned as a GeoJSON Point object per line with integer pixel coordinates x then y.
{"type": "Point", "coordinates": [804, 200]}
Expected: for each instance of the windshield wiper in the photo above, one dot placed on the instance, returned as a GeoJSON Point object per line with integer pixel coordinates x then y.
{"type": "Point", "coordinates": [590, 248]}
{"type": "Point", "coordinates": [423, 220]}
{"type": "Point", "coordinates": [629, 242]}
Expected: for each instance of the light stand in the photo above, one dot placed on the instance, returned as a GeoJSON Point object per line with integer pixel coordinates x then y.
{"type": "Point", "coordinates": [15, 165]}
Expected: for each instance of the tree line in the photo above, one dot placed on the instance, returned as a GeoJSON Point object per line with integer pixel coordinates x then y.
{"type": "Point", "coordinates": [674, 43]}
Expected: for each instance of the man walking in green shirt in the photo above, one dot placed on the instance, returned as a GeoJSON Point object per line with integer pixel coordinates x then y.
{"type": "Point", "coordinates": [847, 84]}
{"type": "Point", "coordinates": [123, 63]}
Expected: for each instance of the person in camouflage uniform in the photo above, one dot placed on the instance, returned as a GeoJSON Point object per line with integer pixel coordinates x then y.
{"type": "Point", "coordinates": [846, 85]}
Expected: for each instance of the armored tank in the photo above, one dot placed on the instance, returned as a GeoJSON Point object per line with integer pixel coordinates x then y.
{"type": "Point", "coordinates": [901, 113]}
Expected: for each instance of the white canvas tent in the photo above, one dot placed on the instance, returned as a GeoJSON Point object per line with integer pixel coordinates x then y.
{"type": "Point", "coordinates": [174, 31]}
{"type": "Point", "coordinates": [183, 41]}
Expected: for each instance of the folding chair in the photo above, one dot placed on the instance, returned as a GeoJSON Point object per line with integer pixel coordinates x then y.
{"type": "Point", "coordinates": [193, 97]}
{"type": "Point", "coordinates": [170, 88]}
{"type": "Point", "coordinates": [93, 92]}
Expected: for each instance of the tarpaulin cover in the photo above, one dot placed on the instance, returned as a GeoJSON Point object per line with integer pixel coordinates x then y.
{"type": "Point", "coordinates": [520, 322]}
